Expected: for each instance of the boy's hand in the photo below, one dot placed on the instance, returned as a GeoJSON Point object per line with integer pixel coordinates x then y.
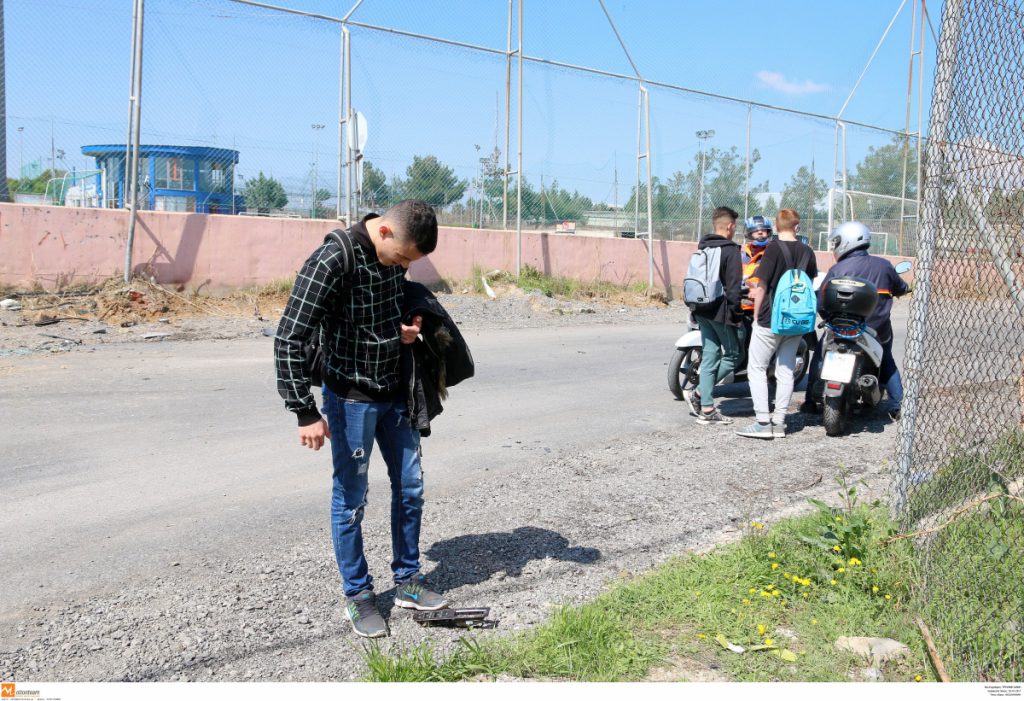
{"type": "Point", "coordinates": [409, 333]}
{"type": "Point", "coordinates": [313, 435]}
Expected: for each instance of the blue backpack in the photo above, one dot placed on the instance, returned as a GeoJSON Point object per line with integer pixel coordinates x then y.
{"type": "Point", "coordinates": [794, 304]}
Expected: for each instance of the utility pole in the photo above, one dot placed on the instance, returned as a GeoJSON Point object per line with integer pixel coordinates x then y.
{"type": "Point", "coordinates": [316, 136]}
{"type": "Point", "coordinates": [702, 136]}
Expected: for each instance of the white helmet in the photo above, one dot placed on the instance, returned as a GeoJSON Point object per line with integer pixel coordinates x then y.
{"type": "Point", "coordinates": [851, 236]}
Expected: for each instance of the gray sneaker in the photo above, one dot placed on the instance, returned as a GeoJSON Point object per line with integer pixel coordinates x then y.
{"type": "Point", "coordinates": [757, 430]}
{"type": "Point", "coordinates": [366, 620]}
{"type": "Point", "coordinates": [413, 594]}
{"type": "Point", "coordinates": [693, 399]}
{"type": "Point", "coordinates": [715, 417]}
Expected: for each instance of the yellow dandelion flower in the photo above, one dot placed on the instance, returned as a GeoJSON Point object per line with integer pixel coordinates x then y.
{"type": "Point", "coordinates": [775, 566]}
{"type": "Point", "coordinates": [841, 570]}
{"type": "Point", "coordinates": [873, 570]}
{"type": "Point", "coordinates": [855, 561]}
{"type": "Point", "coordinates": [752, 590]}
{"type": "Point", "coordinates": [814, 621]}
{"type": "Point", "coordinates": [766, 594]}
{"type": "Point", "coordinates": [771, 556]}
{"type": "Point", "coordinates": [745, 601]}
{"type": "Point", "coordinates": [836, 548]}
{"type": "Point", "coordinates": [887, 597]}
{"type": "Point", "coordinates": [917, 677]}
{"type": "Point", "coordinates": [770, 587]}
{"type": "Point", "coordinates": [834, 582]}
{"type": "Point", "coordinates": [696, 593]}
{"type": "Point", "coordinates": [874, 588]}
{"type": "Point", "coordinates": [701, 636]}
{"type": "Point", "coordinates": [761, 630]}
{"type": "Point", "coordinates": [776, 592]}
{"type": "Point", "coordinates": [769, 641]}
{"type": "Point", "coordinates": [755, 524]}
{"type": "Point", "coordinates": [786, 575]}
{"type": "Point", "coordinates": [733, 610]}
{"type": "Point", "coordinates": [805, 595]}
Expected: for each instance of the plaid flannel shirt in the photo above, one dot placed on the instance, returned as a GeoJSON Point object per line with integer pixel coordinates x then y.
{"type": "Point", "coordinates": [360, 315]}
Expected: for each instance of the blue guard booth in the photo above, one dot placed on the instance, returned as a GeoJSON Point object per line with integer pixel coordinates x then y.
{"type": "Point", "coordinates": [171, 178]}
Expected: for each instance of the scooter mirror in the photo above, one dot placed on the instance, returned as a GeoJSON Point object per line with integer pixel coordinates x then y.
{"type": "Point", "coordinates": [904, 266]}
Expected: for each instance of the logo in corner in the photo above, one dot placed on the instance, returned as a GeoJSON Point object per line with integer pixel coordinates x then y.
{"type": "Point", "coordinates": [7, 691]}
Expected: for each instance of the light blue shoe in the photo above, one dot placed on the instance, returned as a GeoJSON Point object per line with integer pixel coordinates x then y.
{"type": "Point", "coordinates": [414, 594]}
{"type": "Point", "coordinates": [757, 430]}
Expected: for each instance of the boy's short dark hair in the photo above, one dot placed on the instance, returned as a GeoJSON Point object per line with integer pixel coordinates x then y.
{"type": "Point", "coordinates": [415, 221]}
{"type": "Point", "coordinates": [723, 212]}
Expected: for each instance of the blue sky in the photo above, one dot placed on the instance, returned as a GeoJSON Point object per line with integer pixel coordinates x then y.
{"type": "Point", "coordinates": [221, 74]}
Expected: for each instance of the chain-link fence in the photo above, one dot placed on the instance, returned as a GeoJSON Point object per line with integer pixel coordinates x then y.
{"type": "Point", "coordinates": [960, 479]}
{"type": "Point", "coordinates": [244, 108]}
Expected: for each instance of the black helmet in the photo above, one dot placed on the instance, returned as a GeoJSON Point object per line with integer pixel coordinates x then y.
{"type": "Point", "coordinates": [756, 224]}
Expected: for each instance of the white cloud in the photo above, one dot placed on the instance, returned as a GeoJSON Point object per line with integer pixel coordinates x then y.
{"type": "Point", "coordinates": [777, 81]}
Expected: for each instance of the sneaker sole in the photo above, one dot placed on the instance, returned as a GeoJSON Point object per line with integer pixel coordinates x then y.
{"type": "Point", "coordinates": [756, 435]}
{"type": "Point", "coordinates": [382, 634]}
{"type": "Point", "coordinates": [713, 423]}
{"type": "Point", "coordinates": [419, 607]}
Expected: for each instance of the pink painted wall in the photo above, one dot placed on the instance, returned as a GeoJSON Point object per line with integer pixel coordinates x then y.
{"type": "Point", "coordinates": [62, 245]}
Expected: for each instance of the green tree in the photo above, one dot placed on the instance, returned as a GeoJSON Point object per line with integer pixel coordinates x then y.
{"type": "Point", "coordinates": [430, 180]}
{"type": "Point", "coordinates": [675, 202]}
{"type": "Point", "coordinates": [376, 193]}
{"type": "Point", "coordinates": [881, 171]}
{"type": "Point", "coordinates": [804, 192]}
{"type": "Point", "coordinates": [263, 194]}
{"type": "Point", "coordinates": [561, 205]}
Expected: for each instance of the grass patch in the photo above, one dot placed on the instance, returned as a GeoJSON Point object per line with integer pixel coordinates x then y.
{"type": "Point", "coordinates": [965, 475]}
{"type": "Point", "coordinates": [784, 593]}
{"type": "Point", "coordinates": [975, 601]}
{"type": "Point", "coordinates": [276, 287]}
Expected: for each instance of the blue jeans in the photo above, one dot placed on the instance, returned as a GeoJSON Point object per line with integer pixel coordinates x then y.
{"type": "Point", "coordinates": [354, 426]}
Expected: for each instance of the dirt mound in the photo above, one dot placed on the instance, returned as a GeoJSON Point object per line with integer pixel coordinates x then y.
{"type": "Point", "coordinates": [116, 303]}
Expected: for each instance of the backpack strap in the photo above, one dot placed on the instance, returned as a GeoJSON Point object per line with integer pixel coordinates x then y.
{"type": "Point", "coordinates": [801, 264]}
{"type": "Point", "coordinates": [348, 255]}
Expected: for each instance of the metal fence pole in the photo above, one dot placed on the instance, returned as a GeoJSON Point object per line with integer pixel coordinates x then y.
{"type": "Point", "coordinates": [137, 105]}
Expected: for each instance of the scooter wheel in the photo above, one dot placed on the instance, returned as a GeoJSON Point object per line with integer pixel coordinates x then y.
{"type": "Point", "coordinates": [683, 371]}
{"type": "Point", "coordinates": [833, 415]}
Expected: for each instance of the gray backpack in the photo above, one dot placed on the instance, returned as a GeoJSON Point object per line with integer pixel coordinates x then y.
{"type": "Point", "coordinates": [703, 287]}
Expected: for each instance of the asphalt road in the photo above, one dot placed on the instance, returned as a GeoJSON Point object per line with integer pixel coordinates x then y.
{"type": "Point", "coordinates": [122, 461]}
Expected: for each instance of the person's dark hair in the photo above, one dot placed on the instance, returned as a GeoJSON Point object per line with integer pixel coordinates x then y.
{"type": "Point", "coordinates": [723, 213]}
{"type": "Point", "coordinates": [415, 221]}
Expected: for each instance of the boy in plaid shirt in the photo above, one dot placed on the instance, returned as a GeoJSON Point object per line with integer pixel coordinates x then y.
{"type": "Point", "coordinates": [351, 288]}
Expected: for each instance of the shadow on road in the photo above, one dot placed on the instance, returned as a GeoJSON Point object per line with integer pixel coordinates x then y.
{"type": "Point", "coordinates": [472, 559]}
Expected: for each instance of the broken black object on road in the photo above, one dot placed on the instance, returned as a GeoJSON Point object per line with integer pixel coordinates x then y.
{"type": "Point", "coordinates": [462, 618]}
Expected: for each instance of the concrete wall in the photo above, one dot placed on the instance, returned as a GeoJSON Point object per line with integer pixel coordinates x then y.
{"type": "Point", "coordinates": [60, 245]}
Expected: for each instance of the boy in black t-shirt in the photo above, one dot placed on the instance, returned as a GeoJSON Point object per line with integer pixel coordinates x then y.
{"type": "Point", "coordinates": [763, 343]}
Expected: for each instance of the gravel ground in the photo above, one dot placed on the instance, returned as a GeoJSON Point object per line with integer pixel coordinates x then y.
{"type": "Point", "coordinates": [566, 527]}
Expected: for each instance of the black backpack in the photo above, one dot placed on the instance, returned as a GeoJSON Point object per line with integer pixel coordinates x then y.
{"type": "Point", "coordinates": [313, 352]}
